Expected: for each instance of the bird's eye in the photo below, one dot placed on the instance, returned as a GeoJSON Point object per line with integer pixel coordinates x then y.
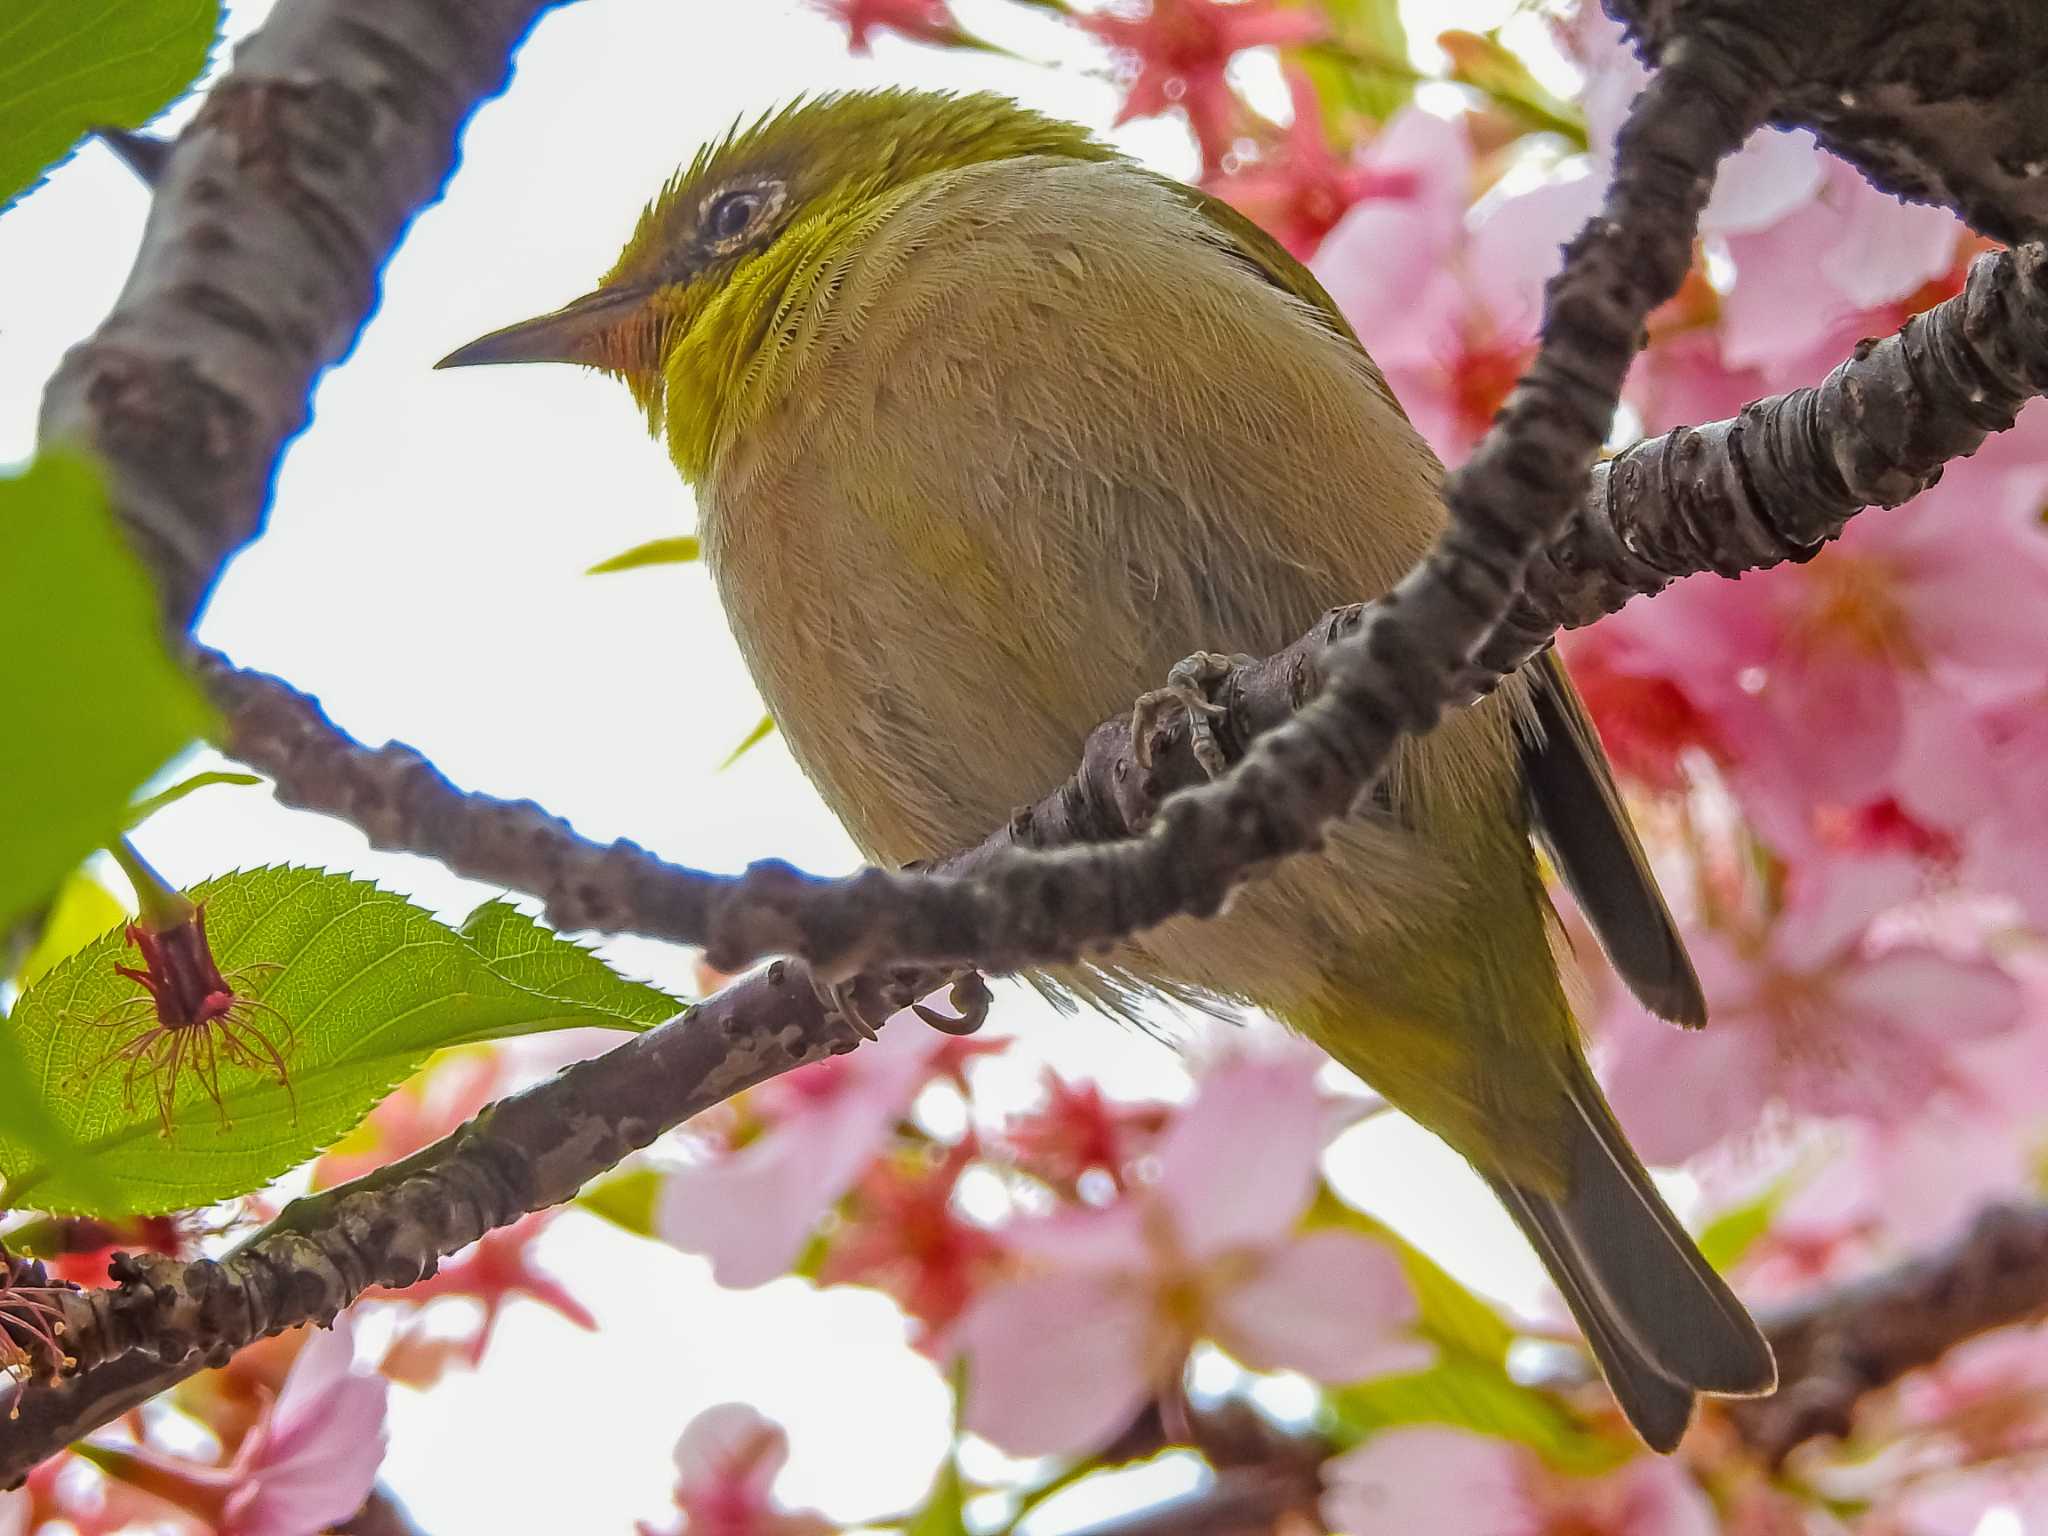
{"type": "Point", "coordinates": [731, 214]}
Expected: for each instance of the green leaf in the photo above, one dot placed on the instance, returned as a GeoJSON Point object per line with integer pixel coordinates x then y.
{"type": "Point", "coordinates": [91, 703]}
{"type": "Point", "coordinates": [945, 1507]}
{"type": "Point", "coordinates": [627, 1200]}
{"type": "Point", "coordinates": [1364, 70]}
{"type": "Point", "coordinates": [1452, 1317]}
{"type": "Point", "coordinates": [1475, 1395]}
{"type": "Point", "coordinates": [1727, 1239]}
{"type": "Point", "coordinates": [142, 810]}
{"type": "Point", "coordinates": [518, 948]}
{"type": "Point", "coordinates": [68, 66]}
{"type": "Point", "coordinates": [1483, 62]}
{"type": "Point", "coordinates": [677, 551]}
{"type": "Point", "coordinates": [755, 737]}
{"type": "Point", "coordinates": [366, 987]}
{"type": "Point", "coordinates": [84, 909]}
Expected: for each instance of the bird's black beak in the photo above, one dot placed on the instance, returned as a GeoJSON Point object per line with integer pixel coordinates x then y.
{"type": "Point", "coordinates": [585, 331]}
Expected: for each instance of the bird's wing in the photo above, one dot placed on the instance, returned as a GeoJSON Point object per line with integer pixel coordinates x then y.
{"type": "Point", "coordinates": [1585, 829]}
{"type": "Point", "coordinates": [1272, 261]}
{"type": "Point", "coordinates": [1579, 817]}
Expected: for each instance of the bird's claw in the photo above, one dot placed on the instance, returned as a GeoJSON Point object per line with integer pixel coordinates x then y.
{"type": "Point", "coordinates": [969, 997]}
{"type": "Point", "coordinates": [842, 1000]}
{"type": "Point", "coordinates": [1189, 686]}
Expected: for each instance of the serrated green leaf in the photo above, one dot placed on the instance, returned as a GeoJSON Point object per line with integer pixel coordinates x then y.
{"type": "Point", "coordinates": [68, 66]}
{"type": "Point", "coordinates": [84, 909]}
{"type": "Point", "coordinates": [677, 551]}
{"type": "Point", "coordinates": [755, 737]}
{"type": "Point", "coordinates": [91, 703]}
{"type": "Point", "coordinates": [1483, 62]}
{"type": "Point", "coordinates": [1452, 1317]}
{"type": "Point", "coordinates": [1472, 1394]}
{"type": "Point", "coordinates": [142, 810]}
{"type": "Point", "coordinates": [541, 960]}
{"type": "Point", "coordinates": [627, 1200]}
{"type": "Point", "coordinates": [371, 986]}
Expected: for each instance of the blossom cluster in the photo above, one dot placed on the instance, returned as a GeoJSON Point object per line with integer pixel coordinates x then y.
{"type": "Point", "coordinates": [1838, 769]}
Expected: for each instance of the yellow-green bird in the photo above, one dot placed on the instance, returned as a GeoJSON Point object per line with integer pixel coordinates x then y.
{"type": "Point", "coordinates": [989, 427]}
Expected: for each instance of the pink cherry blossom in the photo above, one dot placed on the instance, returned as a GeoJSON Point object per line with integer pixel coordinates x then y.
{"type": "Point", "coordinates": [1177, 51]}
{"type": "Point", "coordinates": [1809, 1014]}
{"type": "Point", "coordinates": [1807, 683]}
{"type": "Point", "coordinates": [903, 1236]}
{"type": "Point", "coordinates": [492, 1270]}
{"type": "Point", "coordinates": [1849, 249]}
{"type": "Point", "coordinates": [1077, 1130]}
{"type": "Point", "coordinates": [308, 1464]}
{"type": "Point", "coordinates": [313, 1459]}
{"type": "Point", "coordinates": [726, 1464]}
{"type": "Point", "coordinates": [1449, 1483]}
{"type": "Point", "coordinates": [750, 1211]}
{"type": "Point", "coordinates": [922, 21]}
{"type": "Point", "coordinates": [1813, 243]}
{"type": "Point", "coordinates": [1106, 1302]}
{"type": "Point", "coordinates": [1299, 187]}
{"type": "Point", "coordinates": [1448, 304]}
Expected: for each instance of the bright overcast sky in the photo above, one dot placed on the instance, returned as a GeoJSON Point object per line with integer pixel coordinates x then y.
{"type": "Point", "coordinates": [421, 574]}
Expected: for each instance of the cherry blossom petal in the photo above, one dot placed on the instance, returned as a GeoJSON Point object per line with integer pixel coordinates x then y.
{"type": "Point", "coordinates": [1772, 174]}
{"type": "Point", "coordinates": [731, 1450]}
{"type": "Point", "coordinates": [1517, 245]}
{"type": "Point", "coordinates": [1440, 1481]}
{"type": "Point", "coordinates": [1832, 902]}
{"type": "Point", "coordinates": [1333, 1305]}
{"type": "Point", "coordinates": [313, 1459]}
{"type": "Point", "coordinates": [1108, 1240]}
{"type": "Point", "coordinates": [1056, 1363]}
{"type": "Point", "coordinates": [1239, 1164]}
{"type": "Point", "coordinates": [1776, 311]}
{"type": "Point", "coordinates": [751, 1212]}
{"type": "Point", "coordinates": [1679, 1091]}
{"type": "Point", "coordinates": [1886, 248]}
{"type": "Point", "coordinates": [1921, 991]}
{"type": "Point", "coordinates": [1649, 1497]}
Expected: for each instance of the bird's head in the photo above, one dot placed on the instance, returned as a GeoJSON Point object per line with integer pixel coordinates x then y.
{"type": "Point", "coordinates": [711, 260]}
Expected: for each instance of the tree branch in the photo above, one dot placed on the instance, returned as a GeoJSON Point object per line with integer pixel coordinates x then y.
{"type": "Point", "coordinates": [1836, 1348]}
{"type": "Point", "coordinates": [1944, 103]}
{"type": "Point", "coordinates": [339, 121]}
{"type": "Point", "coordinates": [1770, 485]}
{"type": "Point", "coordinates": [166, 1318]}
{"type": "Point", "coordinates": [274, 211]}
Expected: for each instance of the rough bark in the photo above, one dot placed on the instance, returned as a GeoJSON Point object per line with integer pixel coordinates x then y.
{"type": "Point", "coordinates": [339, 122]}
{"type": "Point", "coordinates": [274, 212]}
{"type": "Point", "coordinates": [1939, 103]}
{"type": "Point", "coordinates": [1838, 1347]}
{"type": "Point", "coordinates": [166, 1318]}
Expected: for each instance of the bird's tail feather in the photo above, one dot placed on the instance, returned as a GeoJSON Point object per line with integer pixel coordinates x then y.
{"type": "Point", "coordinates": [1660, 1321]}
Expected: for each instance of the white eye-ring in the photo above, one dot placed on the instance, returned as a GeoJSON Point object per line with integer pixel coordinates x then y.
{"type": "Point", "coordinates": [731, 216]}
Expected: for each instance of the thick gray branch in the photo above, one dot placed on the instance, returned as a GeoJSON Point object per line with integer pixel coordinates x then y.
{"type": "Point", "coordinates": [274, 211]}
{"type": "Point", "coordinates": [166, 1318]}
{"type": "Point", "coordinates": [1769, 485]}
{"type": "Point", "coordinates": [1939, 101]}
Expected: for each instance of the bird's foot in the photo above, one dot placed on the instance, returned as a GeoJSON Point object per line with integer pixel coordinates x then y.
{"type": "Point", "coordinates": [848, 1000]}
{"type": "Point", "coordinates": [1191, 686]}
{"type": "Point", "coordinates": [866, 1004]}
{"type": "Point", "coordinates": [969, 997]}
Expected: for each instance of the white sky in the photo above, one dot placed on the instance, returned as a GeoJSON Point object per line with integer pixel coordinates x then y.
{"type": "Point", "coordinates": [421, 574]}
